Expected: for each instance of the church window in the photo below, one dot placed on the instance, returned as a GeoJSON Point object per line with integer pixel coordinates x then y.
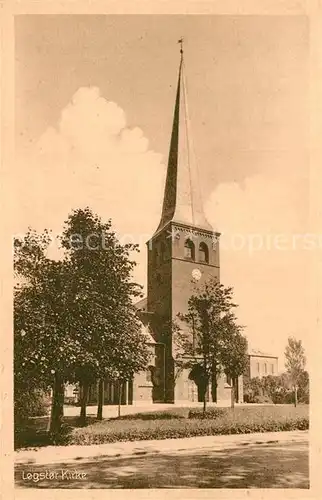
{"type": "Point", "coordinates": [272, 366]}
{"type": "Point", "coordinates": [203, 253]}
{"type": "Point", "coordinates": [257, 367]}
{"type": "Point", "coordinates": [228, 379]}
{"type": "Point", "coordinates": [189, 250]}
{"type": "Point", "coordinates": [265, 368]}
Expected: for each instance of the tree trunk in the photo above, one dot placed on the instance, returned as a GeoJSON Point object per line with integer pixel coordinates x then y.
{"type": "Point", "coordinates": [204, 399]}
{"type": "Point", "coordinates": [232, 394]}
{"type": "Point", "coordinates": [119, 399]}
{"type": "Point", "coordinates": [57, 406]}
{"type": "Point", "coordinates": [205, 382]}
{"type": "Point", "coordinates": [204, 404]}
{"type": "Point", "coordinates": [214, 385]}
{"type": "Point", "coordinates": [84, 398]}
{"type": "Point", "coordinates": [100, 399]}
{"type": "Point", "coordinates": [295, 396]}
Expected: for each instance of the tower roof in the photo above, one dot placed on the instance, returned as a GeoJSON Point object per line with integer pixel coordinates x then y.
{"type": "Point", "coordinates": [182, 201]}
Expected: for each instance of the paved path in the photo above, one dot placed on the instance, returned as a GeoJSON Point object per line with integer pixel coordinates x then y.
{"type": "Point", "coordinates": [268, 460]}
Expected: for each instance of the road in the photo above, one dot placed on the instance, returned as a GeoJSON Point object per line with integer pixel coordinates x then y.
{"type": "Point", "coordinates": [266, 465]}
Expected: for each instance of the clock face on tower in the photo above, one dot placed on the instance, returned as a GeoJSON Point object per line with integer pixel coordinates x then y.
{"type": "Point", "coordinates": [196, 274]}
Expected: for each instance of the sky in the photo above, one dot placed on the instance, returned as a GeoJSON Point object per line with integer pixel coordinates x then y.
{"type": "Point", "coordinates": [94, 106]}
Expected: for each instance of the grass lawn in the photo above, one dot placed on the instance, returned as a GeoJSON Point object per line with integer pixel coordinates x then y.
{"type": "Point", "coordinates": [172, 423]}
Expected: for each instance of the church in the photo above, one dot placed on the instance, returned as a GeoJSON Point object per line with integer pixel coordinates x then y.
{"type": "Point", "coordinates": [183, 250]}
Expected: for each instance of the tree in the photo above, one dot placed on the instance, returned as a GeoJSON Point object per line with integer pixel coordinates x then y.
{"type": "Point", "coordinates": [46, 344]}
{"type": "Point", "coordinates": [104, 310]}
{"type": "Point", "coordinates": [276, 389]}
{"type": "Point", "coordinates": [74, 319]}
{"type": "Point", "coordinates": [304, 388]}
{"type": "Point", "coordinates": [233, 353]}
{"type": "Point", "coordinates": [204, 332]}
{"type": "Point", "coordinates": [253, 389]}
{"type": "Point", "coordinates": [272, 387]}
{"type": "Point", "coordinates": [295, 363]}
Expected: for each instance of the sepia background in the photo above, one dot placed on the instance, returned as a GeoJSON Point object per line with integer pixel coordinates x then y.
{"type": "Point", "coordinates": [13, 211]}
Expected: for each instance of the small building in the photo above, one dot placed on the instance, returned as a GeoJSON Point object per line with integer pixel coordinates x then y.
{"type": "Point", "coordinates": [261, 364]}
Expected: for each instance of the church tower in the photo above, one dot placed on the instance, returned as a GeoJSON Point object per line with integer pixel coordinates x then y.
{"type": "Point", "coordinates": [184, 248]}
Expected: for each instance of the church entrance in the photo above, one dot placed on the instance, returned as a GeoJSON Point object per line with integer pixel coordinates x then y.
{"type": "Point", "coordinates": [197, 376]}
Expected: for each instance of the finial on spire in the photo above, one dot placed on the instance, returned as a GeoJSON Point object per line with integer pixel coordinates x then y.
{"type": "Point", "coordinates": [181, 46]}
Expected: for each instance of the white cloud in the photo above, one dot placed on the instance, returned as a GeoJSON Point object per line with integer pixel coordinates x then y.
{"type": "Point", "coordinates": [92, 158]}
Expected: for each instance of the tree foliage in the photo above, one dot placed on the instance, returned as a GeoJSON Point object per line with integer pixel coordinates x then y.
{"type": "Point", "coordinates": [233, 352]}
{"type": "Point", "coordinates": [295, 363]}
{"type": "Point", "coordinates": [275, 389]}
{"type": "Point", "coordinates": [74, 318]}
{"type": "Point", "coordinates": [208, 333]}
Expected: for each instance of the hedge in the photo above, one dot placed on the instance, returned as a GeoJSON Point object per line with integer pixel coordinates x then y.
{"type": "Point", "coordinates": [229, 423]}
{"type": "Point", "coordinates": [251, 412]}
{"type": "Point", "coordinates": [210, 413]}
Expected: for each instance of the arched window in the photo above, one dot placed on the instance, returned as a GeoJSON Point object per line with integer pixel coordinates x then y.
{"type": "Point", "coordinates": [189, 250]}
{"type": "Point", "coordinates": [203, 253]}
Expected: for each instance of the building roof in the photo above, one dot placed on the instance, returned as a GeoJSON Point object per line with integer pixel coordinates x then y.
{"type": "Point", "coordinates": [146, 331]}
{"type": "Point", "coordinates": [256, 352]}
{"type": "Point", "coordinates": [142, 304]}
{"type": "Point", "coordinates": [182, 201]}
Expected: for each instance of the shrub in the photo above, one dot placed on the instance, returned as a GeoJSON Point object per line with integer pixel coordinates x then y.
{"type": "Point", "coordinates": [304, 398]}
{"type": "Point", "coordinates": [284, 397]}
{"type": "Point", "coordinates": [262, 399]}
{"type": "Point", "coordinates": [210, 413]}
{"type": "Point", "coordinates": [33, 403]}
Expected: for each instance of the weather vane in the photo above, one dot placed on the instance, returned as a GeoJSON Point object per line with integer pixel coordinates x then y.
{"type": "Point", "coordinates": [181, 45]}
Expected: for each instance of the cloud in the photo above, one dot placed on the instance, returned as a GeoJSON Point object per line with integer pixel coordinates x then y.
{"type": "Point", "coordinates": [262, 258]}
{"type": "Point", "coordinates": [91, 157]}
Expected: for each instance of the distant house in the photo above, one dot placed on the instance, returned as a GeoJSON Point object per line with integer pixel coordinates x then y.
{"type": "Point", "coordinates": [261, 364]}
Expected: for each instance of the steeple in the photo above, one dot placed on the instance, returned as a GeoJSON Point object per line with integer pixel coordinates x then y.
{"type": "Point", "coordinates": [182, 201]}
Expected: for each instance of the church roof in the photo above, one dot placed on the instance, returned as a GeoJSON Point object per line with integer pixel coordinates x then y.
{"type": "Point", "coordinates": [142, 304]}
{"type": "Point", "coordinates": [182, 197]}
{"type": "Point", "coordinates": [146, 331]}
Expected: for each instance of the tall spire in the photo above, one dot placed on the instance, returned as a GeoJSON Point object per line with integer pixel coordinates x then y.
{"type": "Point", "coordinates": [182, 201]}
